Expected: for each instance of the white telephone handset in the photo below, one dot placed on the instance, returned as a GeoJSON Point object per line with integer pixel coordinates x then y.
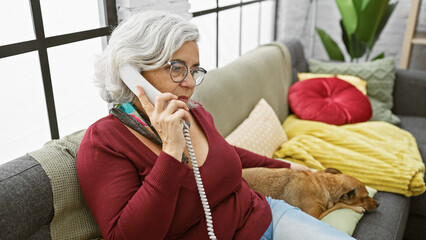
{"type": "Point", "coordinates": [132, 77]}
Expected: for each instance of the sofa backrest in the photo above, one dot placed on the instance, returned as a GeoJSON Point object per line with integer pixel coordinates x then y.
{"type": "Point", "coordinates": [229, 93]}
{"type": "Point", "coordinates": [298, 60]}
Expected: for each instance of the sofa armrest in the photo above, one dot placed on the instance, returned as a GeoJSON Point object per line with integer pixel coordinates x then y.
{"type": "Point", "coordinates": [410, 93]}
{"type": "Point", "coordinates": [26, 200]}
{"type": "Point", "coordinates": [388, 221]}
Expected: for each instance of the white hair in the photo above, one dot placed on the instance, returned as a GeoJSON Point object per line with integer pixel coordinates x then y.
{"type": "Point", "coordinates": [145, 39]}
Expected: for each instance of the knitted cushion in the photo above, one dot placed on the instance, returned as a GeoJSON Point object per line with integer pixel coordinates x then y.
{"type": "Point", "coordinates": [329, 100]}
{"type": "Point", "coordinates": [380, 77]}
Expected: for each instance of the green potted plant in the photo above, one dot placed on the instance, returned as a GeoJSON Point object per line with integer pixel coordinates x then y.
{"type": "Point", "coordinates": [362, 23]}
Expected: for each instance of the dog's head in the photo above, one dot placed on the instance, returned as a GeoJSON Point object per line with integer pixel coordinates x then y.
{"type": "Point", "coordinates": [352, 192]}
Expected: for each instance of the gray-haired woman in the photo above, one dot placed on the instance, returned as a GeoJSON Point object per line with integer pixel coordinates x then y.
{"type": "Point", "coordinates": [140, 188]}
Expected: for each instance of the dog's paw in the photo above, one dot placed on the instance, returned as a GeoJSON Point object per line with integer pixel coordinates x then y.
{"type": "Point", "coordinates": [358, 209]}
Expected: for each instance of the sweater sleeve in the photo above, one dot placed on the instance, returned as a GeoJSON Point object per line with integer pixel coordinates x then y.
{"type": "Point", "coordinates": [123, 205]}
{"type": "Point", "coordinates": [251, 159]}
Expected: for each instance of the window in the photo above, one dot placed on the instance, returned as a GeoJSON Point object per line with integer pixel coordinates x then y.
{"type": "Point", "coordinates": [62, 17]}
{"type": "Point", "coordinates": [207, 43]}
{"type": "Point", "coordinates": [46, 60]}
{"type": "Point", "coordinates": [46, 69]}
{"type": "Point", "coordinates": [230, 28]}
{"type": "Point", "coordinates": [18, 13]}
{"type": "Point", "coordinates": [24, 120]}
{"type": "Point", "coordinates": [77, 100]}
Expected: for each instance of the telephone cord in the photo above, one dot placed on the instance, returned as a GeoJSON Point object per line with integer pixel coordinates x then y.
{"type": "Point", "coordinates": [199, 182]}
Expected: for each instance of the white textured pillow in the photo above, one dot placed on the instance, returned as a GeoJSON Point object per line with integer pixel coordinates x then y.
{"type": "Point", "coordinates": [261, 132]}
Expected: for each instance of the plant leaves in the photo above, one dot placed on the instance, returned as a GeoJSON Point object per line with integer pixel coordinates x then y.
{"type": "Point", "coordinates": [360, 5]}
{"type": "Point", "coordinates": [383, 22]}
{"type": "Point", "coordinates": [349, 15]}
{"type": "Point", "coordinates": [369, 19]}
{"type": "Point", "coordinates": [358, 48]}
{"type": "Point", "coordinates": [330, 45]}
{"type": "Point", "coordinates": [379, 56]}
{"type": "Point", "coordinates": [346, 39]}
{"type": "Point", "coordinates": [355, 48]}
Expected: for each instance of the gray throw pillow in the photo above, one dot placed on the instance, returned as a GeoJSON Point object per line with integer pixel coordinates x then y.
{"type": "Point", "coordinates": [380, 77]}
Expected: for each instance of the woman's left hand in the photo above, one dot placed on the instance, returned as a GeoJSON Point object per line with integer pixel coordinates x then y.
{"type": "Point", "coordinates": [297, 166]}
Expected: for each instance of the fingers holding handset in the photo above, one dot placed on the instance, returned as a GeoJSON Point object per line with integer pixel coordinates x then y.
{"type": "Point", "coordinates": [164, 103]}
{"type": "Point", "coordinates": [147, 105]}
{"type": "Point", "coordinates": [175, 107]}
{"type": "Point", "coordinates": [166, 117]}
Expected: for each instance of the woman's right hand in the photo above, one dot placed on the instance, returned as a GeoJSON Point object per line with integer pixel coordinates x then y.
{"type": "Point", "coordinates": [166, 117]}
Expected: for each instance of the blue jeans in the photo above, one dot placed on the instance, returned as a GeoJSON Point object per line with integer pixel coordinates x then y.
{"type": "Point", "coordinates": [291, 223]}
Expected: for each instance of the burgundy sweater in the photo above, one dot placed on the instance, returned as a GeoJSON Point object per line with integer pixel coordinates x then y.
{"type": "Point", "coordinates": [135, 194]}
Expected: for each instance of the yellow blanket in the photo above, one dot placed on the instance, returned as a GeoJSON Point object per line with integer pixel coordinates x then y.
{"type": "Point", "coordinates": [379, 154]}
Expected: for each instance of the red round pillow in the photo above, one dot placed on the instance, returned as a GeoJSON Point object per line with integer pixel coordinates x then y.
{"type": "Point", "coordinates": [329, 100]}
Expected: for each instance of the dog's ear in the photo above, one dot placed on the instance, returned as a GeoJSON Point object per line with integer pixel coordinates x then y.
{"type": "Point", "coordinates": [343, 194]}
{"type": "Point", "coordinates": [332, 171]}
{"type": "Point", "coordinates": [349, 195]}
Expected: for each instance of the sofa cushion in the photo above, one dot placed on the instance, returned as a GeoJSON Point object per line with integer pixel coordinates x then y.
{"type": "Point", "coordinates": [380, 77]}
{"type": "Point", "coordinates": [261, 132]}
{"type": "Point", "coordinates": [329, 100]}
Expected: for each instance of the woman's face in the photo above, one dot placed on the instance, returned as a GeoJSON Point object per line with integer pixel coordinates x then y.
{"type": "Point", "coordinates": [160, 78]}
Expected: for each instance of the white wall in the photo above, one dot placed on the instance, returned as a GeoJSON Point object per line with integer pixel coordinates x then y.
{"type": "Point", "coordinates": [295, 18]}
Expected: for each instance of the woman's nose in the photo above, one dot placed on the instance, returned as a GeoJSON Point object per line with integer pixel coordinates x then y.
{"type": "Point", "coordinates": [188, 82]}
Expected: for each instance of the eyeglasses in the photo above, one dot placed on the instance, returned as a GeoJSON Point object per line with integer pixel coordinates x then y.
{"type": "Point", "coordinates": [179, 71]}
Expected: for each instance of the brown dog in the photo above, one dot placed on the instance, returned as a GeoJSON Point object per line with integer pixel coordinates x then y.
{"type": "Point", "coordinates": [316, 193]}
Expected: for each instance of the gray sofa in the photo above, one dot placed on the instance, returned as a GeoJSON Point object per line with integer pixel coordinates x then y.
{"type": "Point", "coordinates": [398, 217]}
{"type": "Point", "coordinates": [28, 205]}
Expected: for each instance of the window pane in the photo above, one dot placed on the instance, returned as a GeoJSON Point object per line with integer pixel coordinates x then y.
{"type": "Point", "coordinates": [16, 22]}
{"type": "Point", "coordinates": [267, 22]}
{"type": "Point", "coordinates": [61, 17]}
{"type": "Point", "coordinates": [198, 5]}
{"type": "Point", "coordinates": [207, 43]}
{"type": "Point", "coordinates": [228, 2]}
{"type": "Point", "coordinates": [24, 123]}
{"type": "Point", "coordinates": [229, 31]}
{"type": "Point", "coordinates": [78, 102]}
{"type": "Point", "coordinates": [250, 27]}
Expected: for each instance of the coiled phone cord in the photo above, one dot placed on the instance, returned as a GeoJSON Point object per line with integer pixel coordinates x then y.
{"type": "Point", "coordinates": [199, 182]}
